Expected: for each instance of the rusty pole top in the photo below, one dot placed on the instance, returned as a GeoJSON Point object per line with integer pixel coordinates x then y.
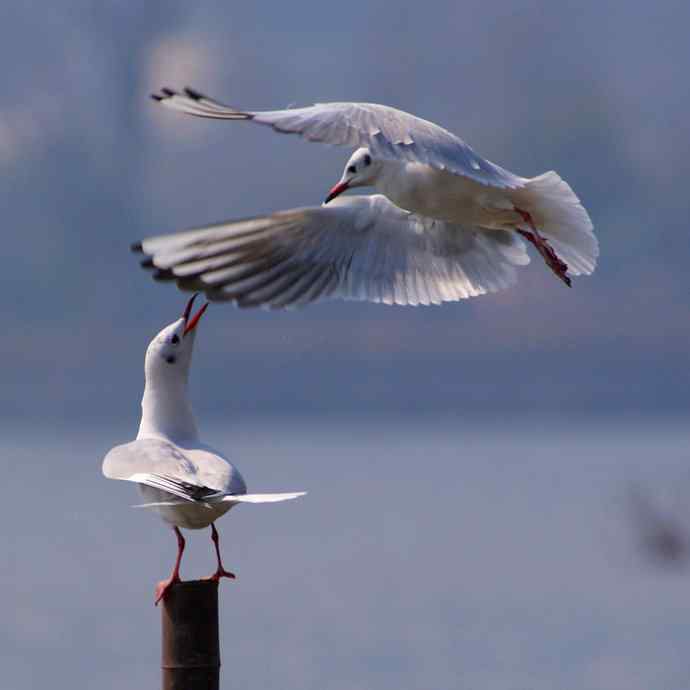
{"type": "Point", "coordinates": [190, 641]}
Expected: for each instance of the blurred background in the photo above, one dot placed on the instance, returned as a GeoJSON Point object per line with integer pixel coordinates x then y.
{"type": "Point", "coordinates": [492, 482]}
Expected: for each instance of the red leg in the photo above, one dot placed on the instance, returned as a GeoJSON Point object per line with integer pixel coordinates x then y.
{"type": "Point", "coordinates": [544, 248]}
{"type": "Point", "coordinates": [163, 586]}
{"type": "Point", "coordinates": [220, 570]}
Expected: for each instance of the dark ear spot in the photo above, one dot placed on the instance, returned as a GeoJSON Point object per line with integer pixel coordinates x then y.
{"type": "Point", "coordinates": [367, 159]}
{"type": "Point", "coordinates": [170, 359]}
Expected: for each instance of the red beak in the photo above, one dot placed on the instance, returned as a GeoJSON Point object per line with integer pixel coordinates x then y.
{"type": "Point", "coordinates": [338, 189]}
{"type": "Point", "coordinates": [190, 324]}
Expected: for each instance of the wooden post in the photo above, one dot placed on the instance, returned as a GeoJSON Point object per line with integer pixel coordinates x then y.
{"type": "Point", "coordinates": [191, 647]}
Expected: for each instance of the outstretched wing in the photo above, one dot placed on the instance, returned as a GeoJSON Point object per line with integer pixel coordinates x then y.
{"type": "Point", "coordinates": [388, 132]}
{"type": "Point", "coordinates": [356, 247]}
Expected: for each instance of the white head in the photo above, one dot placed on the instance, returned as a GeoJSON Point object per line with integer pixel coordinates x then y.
{"type": "Point", "coordinates": [165, 407]}
{"type": "Point", "coordinates": [361, 170]}
{"type": "Point", "coordinates": [169, 354]}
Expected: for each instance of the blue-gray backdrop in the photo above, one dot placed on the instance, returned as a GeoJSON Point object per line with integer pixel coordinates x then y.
{"type": "Point", "coordinates": [89, 164]}
{"type": "Point", "coordinates": [468, 465]}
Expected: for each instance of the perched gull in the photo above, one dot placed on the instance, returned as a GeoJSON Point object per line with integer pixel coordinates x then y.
{"type": "Point", "coordinates": [447, 224]}
{"type": "Point", "coordinates": [189, 483]}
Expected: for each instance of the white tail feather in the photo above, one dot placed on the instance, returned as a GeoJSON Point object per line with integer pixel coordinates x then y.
{"type": "Point", "coordinates": [560, 217]}
{"type": "Point", "coordinates": [263, 498]}
{"type": "Point", "coordinates": [229, 498]}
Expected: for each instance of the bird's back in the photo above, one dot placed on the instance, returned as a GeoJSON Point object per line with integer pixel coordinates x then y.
{"type": "Point", "coordinates": [191, 462]}
{"type": "Point", "coordinates": [212, 469]}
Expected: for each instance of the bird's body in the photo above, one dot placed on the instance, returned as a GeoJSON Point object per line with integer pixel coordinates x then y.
{"type": "Point", "coordinates": [210, 469]}
{"type": "Point", "coordinates": [448, 224]}
{"type": "Point", "coordinates": [437, 194]}
{"type": "Point", "coordinates": [189, 483]}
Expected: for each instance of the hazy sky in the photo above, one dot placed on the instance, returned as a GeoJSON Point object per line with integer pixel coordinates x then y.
{"type": "Point", "coordinates": [89, 164]}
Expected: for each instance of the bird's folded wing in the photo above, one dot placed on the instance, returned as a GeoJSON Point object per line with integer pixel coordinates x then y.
{"type": "Point", "coordinates": [231, 498]}
{"type": "Point", "coordinates": [356, 247]}
{"type": "Point", "coordinates": [151, 457]}
{"type": "Point", "coordinates": [388, 132]}
{"type": "Point", "coordinates": [187, 491]}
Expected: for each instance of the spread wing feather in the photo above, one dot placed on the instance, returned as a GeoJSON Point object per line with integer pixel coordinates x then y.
{"type": "Point", "coordinates": [356, 247]}
{"type": "Point", "coordinates": [388, 132]}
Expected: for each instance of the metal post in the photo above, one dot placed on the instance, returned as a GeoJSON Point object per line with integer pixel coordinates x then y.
{"type": "Point", "coordinates": [191, 648]}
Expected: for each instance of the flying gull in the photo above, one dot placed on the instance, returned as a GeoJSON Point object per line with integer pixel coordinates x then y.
{"type": "Point", "coordinates": [446, 224]}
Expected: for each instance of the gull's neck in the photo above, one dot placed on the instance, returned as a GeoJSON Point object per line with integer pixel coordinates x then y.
{"type": "Point", "coordinates": [165, 410]}
{"type": "Point", "coordinates": [394, 182]}
{"type": "Point", "coordinates": [438, 194]}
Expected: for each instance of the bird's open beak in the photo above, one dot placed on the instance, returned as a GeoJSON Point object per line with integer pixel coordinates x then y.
{"type": "Point", "coordinates": [190, 324]}
{"type": "Point", "coordinates": [188, 309]}
{"type": "Point", "coordinates": [338, 189]}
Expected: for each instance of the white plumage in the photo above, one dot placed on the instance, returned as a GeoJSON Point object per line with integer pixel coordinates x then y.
{"type": "Point", "coordinates": [447, 225]}
{"type": "Point", "coordinates": [357, 247]}
{"type": "Point", "coordinates": [189, 483]}
{"type": "Point", "coordinates": [387, 132]}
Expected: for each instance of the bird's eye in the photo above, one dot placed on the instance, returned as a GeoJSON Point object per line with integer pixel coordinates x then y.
{"type": "Point", "coordinates": [175, 339]}
{"type": "Point", "coordinates": [367, 159]}
{"type": "Point", "coordinates": [170, 359]}
{"type": "Point", "coordinates": [351, 169]}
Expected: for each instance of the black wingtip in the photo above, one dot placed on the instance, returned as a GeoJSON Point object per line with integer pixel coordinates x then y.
{"type": "Point", "coordinates": [193, 93]}
{"type": "Point", "coordinates": [147, 263]}
{"type": "Point", "coordinates": [164, 275]}
{"type": "Point", "coordinates": [136, 247]}
{"type": "Point", "coordinates": [164, 94]}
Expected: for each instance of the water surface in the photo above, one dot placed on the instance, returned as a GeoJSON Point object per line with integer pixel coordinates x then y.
{"type": "Point", "coordinates": [436, 555]}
